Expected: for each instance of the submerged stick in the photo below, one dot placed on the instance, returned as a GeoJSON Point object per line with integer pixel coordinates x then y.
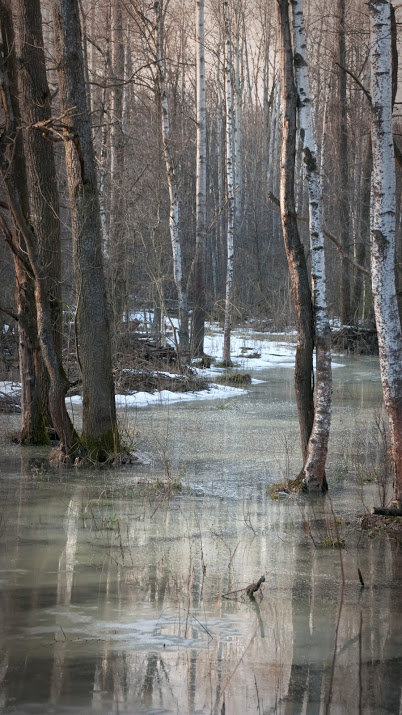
{"type": "Point", "coordinates": [253, 587]}
{"type": "Point", "coordinates": [250, 590]}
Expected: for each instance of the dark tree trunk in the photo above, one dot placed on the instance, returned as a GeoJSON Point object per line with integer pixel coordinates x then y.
{"type": "Point", "coordinates": [99, 426]}
{"type": "Point", "coordinates": [17, 193]}
{"type": "Point", "coordinates": [294, 248]}
{"type": "Point", "coordinates": [34, 410]}
{"type": "Point", "coordinates": [36, 108]}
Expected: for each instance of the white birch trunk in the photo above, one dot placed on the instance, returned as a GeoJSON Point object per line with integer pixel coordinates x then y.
{"type": "Point", "coordinates": [314, 467]}
{"type": "Point", "coordinates": [201, 185]}
{"type": "Point", "coordinates": [383, 231]}
{"type": "Point", "coordinates": [229, 188]}
{"type": "Point", "coordinates": [172, 185]}
{"type": "Point", "coordinates": [117, 263]}
{"type": "Point", "coordinates": [238, 123]}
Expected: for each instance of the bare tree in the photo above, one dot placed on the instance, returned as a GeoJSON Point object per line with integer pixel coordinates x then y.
{"type": "Point", "coordinates": [314, 466]}
{"type": "Point", "coordinates": [99, 426]}
{"type": "Point", "coordinates": [230, 200]}
{"type": "Point", "coordinates": [201, 187]}
{"type": "Point", "coordinates": [343, 158]}
{"type": "Point", "coordinates": [116, 239]}
{"type": "Point", "coordinates": [172, 183]}
{"type": "Point", "coordinates": [294, 248]}
{"type": "Point", "coordinates": [28, 254]}
{"type": "Point", "coordinates": [44, 201]}
{"type": "Point", "coordinates": [383, 231]}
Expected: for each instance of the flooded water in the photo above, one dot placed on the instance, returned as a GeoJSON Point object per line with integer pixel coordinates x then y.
{"type": "Point", "coordinates": [117, 597]}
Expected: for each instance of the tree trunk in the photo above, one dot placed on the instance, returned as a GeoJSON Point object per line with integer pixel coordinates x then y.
{"type": "Point", "coordinates": [172, 184]}
{"type": "Point", "coordinates": [363, 227]}
{"type": "Point", "coordinates": [294, 248]}
{"type": "Point", "coordinates": [229, 189]}
{"type": "Point", "coordinates": [201, 189]}
{"type": "Point", "coordinates": [314, 466]}
{"type": "Point", "coordinates": [116, 242]}
{"type": "Point", "coordinates": [383, 232]}
{"type": "Point", "coordinates": [44, 214]}
{"type": "Point", "coordinates": [99, 426]}
{"type": "Point", "coordinates": [28, 260]}
{"type": "Point", "coordinates": [344, 222]}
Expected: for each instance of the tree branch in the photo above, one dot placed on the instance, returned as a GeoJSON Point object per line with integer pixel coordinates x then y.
{"type": "Point", "coordinates": [358, 82]}
{"type": "Point", "coordinates": [328, 235]}
{"type": "Point", "coordinates": [10, 313]}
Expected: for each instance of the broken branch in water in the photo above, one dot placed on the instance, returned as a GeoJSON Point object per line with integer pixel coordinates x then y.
{"type": "Point", "coordinates": [253, 587]}
{"type": "Point", "coordinates": [250, 590]}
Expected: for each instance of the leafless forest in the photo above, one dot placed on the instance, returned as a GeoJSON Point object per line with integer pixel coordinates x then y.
{"type": "Point", "coordinates": [201, 160]}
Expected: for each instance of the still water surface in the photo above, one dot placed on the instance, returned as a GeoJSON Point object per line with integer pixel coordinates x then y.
{"type": "Point", "coordinates": [112, 594]}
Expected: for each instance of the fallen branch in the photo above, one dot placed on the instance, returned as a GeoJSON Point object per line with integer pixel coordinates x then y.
{"type": "Point", "coordinates": [383, 511]}
{"type": "Point", "coordinates": [253, 587]}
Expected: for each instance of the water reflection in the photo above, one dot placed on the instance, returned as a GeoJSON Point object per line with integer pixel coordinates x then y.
{"type": "Point", "coordinates": [116, 599]}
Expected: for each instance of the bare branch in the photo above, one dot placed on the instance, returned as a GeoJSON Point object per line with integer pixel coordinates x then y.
{"type": "Point", "coordinates": [328, 235]}
{"type": "Point", "coordinates": [358, 82]}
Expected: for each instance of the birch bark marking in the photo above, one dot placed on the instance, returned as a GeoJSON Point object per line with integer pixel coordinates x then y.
{"type": "Point", "coordinates": [383, 231]}
{"type": "Point", "coordinates": [229, 187]}
{"type": "Point", "coordinates": [172, 185]}
{"type": "Point", "coordinates": [314, 467]}
{"type": "Point", "coordinates": [295, 255]}
{"type": "Point", "coordinates": [201, 186]}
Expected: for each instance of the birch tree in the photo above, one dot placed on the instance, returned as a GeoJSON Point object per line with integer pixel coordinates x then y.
{"type": "Point", "coordinates": [383, 231]}
{"type": "Point", "coordinates": [174, 215]}
{"type": "Point", "coordinates": [230, 200]}
{"type": "Point", "coordinates": [99, 426]}
{"type": "Point", "coordinates": [116, 237]}
{"type": "Point", "coordinates": [314, 466]}
{"type": "Point", "coordinates": [343, 166]}
{"type": "Point", "coordinates": [201, 186]}
{"type": "Point", "coordinates": [300, 284]}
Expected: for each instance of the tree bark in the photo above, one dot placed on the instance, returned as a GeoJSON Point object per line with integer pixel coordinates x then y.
{"type": "Point", "coordinates": [116, 242]}
{"type": "Point", "coordinates": [314, 466]}
{"type": "Point", "coordinates": [201, 188]}
{"type": "Point", "coordinates": [99, 426]}
{"type": "Point", "coordinates": [343, 156]}
{"type": "Point", "coordinates": [229, 189]}
{"type": "Point", "coordinates": [44, 200]}
{"type": "Point", "coordinates": [34, 306]}
{"type": "Point", "coordinates": [383, 232]}
{"type": "Point", "coordinates": [172, 184]}
{"type": "Point", "coordinates": [294, 248]}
